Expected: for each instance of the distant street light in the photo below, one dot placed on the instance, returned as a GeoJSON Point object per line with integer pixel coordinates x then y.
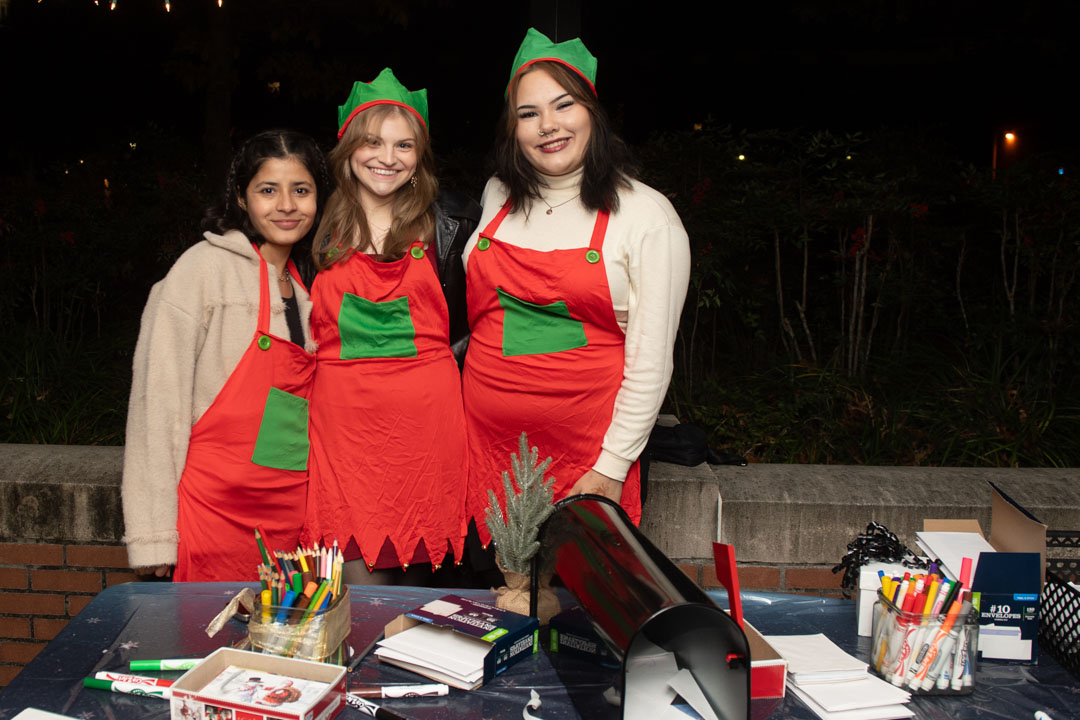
{"type": "Point", "coordinates": [1010, 145]}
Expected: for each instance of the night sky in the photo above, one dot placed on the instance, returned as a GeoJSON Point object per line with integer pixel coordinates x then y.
{"type": "Point", "coordinates": [78, 76]}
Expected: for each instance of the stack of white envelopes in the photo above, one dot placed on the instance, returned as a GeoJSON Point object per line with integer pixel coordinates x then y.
{"type": "Point", "coordinates": [836, 685]}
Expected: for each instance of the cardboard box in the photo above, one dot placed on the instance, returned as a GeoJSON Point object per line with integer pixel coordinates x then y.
{"type": "Point", "coordinates": [189, 703]}
{"type": "Point", "coordinates": [1007, 583]}
{"type": "Point", "coordinates": [510, 635]}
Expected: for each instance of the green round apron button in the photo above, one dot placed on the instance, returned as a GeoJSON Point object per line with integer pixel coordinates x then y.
{"type": "Point", "coordinates": [264, 343]}
{"type": "Point", "coordinates": [417, 252]}
{"type": "Point", "coordinates": [483, 243]}
{"type": "Point", "coordinates": [592, 256]}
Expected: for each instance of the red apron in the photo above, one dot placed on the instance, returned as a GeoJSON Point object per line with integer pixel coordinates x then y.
{"type": "Point", "coordinates": [388, 427]}
{"type": "Point", "coordinates": [247, 460]}
{"type": "Point", "coordinates": [546, 357]}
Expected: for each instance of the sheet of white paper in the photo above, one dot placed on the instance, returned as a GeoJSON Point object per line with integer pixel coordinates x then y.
{"type": "Point", "coordinates": [469, 676]}
{"type": "Point", "coordinates": [684, 683]}
{"type": "Point", "coordinates": [813, 653]}
{"type": "Point", "coordinates": [452, 651]}
{"type": "Point", "coordinates": [868, 691]}
{"type": "Point", "coordinates": [35, 714]}
{"type": "Point", "coordinates": [952, 547]}
{"type": "Point", "coordinates": [883, 712]}
{"type": "Point", "coordinates": [647, 693]}
{"type": "Point", "coordinates": [430, 672]}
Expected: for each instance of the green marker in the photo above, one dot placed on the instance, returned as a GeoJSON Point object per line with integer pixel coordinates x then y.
{"type": "Point", "coordinates": [129, 688]}
{"type": "Point", "coordinates": [174, 664]}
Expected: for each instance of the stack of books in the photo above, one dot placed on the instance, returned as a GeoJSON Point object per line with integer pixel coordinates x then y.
{"type": "Point", "coordinates": [835, 685]}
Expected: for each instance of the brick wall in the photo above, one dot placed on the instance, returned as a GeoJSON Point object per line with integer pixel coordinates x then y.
{"type": "Point", "coordinates": [799, 579]}
{"type": "Point", "coordinates": [42, 586]}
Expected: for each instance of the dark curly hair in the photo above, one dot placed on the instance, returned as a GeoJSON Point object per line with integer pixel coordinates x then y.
{"type": "Point", "coordinates": [608, 165]}
{"type": "Point", "coordinates": [228, 215]}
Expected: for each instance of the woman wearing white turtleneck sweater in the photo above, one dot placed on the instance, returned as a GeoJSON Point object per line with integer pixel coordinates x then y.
{"type": "Point", "coordinates": [576, 281]}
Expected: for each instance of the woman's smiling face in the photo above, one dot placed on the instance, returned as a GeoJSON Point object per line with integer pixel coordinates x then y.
{"type": "Point", "coordinates": [553, 129]}
{"type": "Point", "coordinates": [280, 201]}
{"type": "Point", "coordinates": [387, 159]}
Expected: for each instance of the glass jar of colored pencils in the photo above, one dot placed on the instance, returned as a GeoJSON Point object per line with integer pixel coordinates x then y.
{"type": "Point", "coordinates": [924, 650]}
{"type": "Point", "coordinates": [302, 626]}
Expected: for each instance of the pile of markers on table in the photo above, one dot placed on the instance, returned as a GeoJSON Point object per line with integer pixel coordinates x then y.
{"type": "Point", "coordinates": [922, 636]}
{"type": "Point", "coordinates": [297, 584]}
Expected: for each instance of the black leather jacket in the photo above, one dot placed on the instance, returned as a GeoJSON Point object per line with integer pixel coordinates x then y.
{"type": "Point", "coordinates": [456, 218]}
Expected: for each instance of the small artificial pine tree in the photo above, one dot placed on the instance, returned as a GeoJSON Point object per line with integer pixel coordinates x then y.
{"type": "Point", "coordinates": [515, 533]}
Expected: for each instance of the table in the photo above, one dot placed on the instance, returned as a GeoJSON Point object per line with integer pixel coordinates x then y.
{"type": "Point", "coordinates": [154, 620]}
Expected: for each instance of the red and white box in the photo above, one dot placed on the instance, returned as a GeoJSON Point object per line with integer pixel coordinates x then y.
{"type": "Point", "coordinates": [768, 671]}
{"type": "Point", "coordinates": [240, 685]}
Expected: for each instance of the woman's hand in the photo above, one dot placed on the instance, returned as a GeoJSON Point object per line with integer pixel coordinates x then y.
{"type": "Point", "coordinates": [155, 570]}
{"type": "Point", "coordinates": [593, 483]}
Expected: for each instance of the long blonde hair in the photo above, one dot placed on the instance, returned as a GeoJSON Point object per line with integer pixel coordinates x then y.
{"type": "Point", "coordinates": [344, 227]}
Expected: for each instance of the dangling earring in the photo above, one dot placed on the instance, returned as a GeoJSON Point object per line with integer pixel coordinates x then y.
{"type": "Point", "coordinates": [412, 181]}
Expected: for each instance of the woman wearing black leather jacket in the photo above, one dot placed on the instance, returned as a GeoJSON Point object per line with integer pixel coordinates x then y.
{"type": "Point", "coordinates": [456, 218]}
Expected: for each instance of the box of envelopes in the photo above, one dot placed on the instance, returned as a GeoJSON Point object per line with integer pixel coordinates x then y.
{"type": "Point", "coordinates": [571, 633]}
{"type": "Point", "coordinates": [458, 641]}
{"type": "Point", "coordinates": [240, 685]}
{"type": "Point", "coordinates": [1006, 578]}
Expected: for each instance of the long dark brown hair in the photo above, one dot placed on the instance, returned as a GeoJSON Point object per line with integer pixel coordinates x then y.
{"type": "Point", "coordinates": [344, 228]}
{"type": "Point", "coordinates": [607, 161]}
{"type": "Point", "coordinates": [228, 215]}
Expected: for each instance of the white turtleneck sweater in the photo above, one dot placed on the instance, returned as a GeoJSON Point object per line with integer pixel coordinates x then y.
{"type": "Point", "coordinates": [647, 260]}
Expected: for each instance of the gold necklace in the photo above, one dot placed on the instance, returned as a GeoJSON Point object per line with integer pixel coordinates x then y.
{"type": "Point", "coordinates": [551, 208]}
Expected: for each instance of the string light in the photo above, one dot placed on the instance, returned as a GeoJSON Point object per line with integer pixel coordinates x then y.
{"type": "Point", "coordinates": [112, 5]}
{"type": "Point", "coordinates": [168, 6]}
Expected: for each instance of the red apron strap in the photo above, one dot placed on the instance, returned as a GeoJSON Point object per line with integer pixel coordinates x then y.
{"type": "Point", "coordinates": [264, 297]}
{"type": "Point", "coordinates": [496, 221]}
{"type": "Point", "coordinates": [295, 275]}
{"type": "Point", "coordinates": [599, 229]}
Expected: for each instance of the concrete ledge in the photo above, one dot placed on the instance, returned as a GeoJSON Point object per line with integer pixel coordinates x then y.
{"type": "Point", "coordinates": [777, 514]}
{"type": "Point", "coordinates": [61, 493]}
{"type": "Point", "coordinates": [795, 514]}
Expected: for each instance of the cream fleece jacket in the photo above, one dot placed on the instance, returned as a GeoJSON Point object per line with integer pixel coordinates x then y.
{"type": "Point", "coordinates": [647, 260]}
{"type": "Point", "coordinates": [197, 324]}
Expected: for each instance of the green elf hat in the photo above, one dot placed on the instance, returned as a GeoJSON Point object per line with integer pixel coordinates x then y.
{"type": "Point", "coordinates": [383, 90]}
{"type": "Point", "coordinates": [537, 47]}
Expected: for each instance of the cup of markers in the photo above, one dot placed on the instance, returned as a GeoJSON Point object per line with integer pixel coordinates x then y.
{"type": "Point", "coordinates": [924, 650]}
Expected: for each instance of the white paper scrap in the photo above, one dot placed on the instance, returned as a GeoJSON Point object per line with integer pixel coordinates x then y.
{"type": "Point", "coordinates": [684, 683]}
{"type": "Point", "coordinates": [533, 704]}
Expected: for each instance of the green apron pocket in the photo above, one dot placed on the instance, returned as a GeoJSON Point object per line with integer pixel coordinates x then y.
{"type": "Point", "coordinates": [530, 329]}
{"type": "Point", "coordinates": [283, 432]}
{"type": "Point", "coordinates": [375, 329]}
